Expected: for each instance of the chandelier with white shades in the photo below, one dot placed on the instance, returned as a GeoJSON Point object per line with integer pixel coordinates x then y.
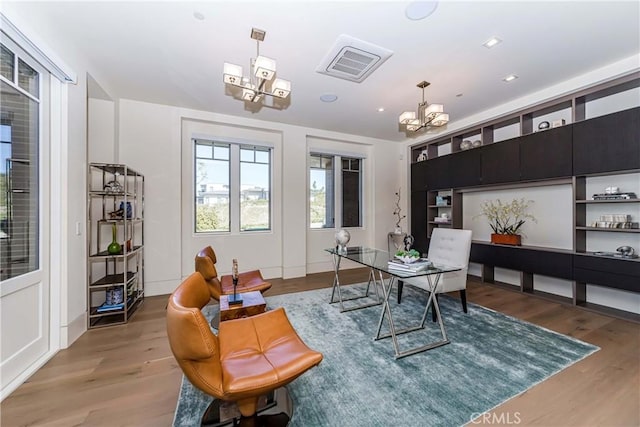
{"type": "Point", "coordinates": [260, 81]}
{"type": "Point", "coordinates": [428, 115]}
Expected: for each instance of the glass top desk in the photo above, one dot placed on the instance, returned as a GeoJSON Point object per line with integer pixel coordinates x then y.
{"type": "Point", "coordinates": [378, 263]}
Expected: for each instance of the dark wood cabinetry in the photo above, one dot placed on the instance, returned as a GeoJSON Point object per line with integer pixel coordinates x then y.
{"type": "Point", "coordinates": [438, 173]}
{"type": "Point", "coordinates": [500, 162]}
{"type": "Point", "coordinates": [419, 219]}
{"type": "Point", "coordinates": [419, 176]}
{"type": "Point", "coordinates": [465, 169]}
{"type": "Point", "coordinates": [547, 154]}
{"type": "Point", "coordinates": [610, 272]}
{"type": "Point", "coordinates": [607, 143]}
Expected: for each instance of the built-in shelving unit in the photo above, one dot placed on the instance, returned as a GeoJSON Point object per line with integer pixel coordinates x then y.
{"type": "Point", "coordinates": [581, 151]}
{"type": "Point", "coordinates": [115, 206]}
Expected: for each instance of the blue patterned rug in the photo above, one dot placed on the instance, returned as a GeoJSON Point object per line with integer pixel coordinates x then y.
{"type": "Point", "coordinates": [491, 358]}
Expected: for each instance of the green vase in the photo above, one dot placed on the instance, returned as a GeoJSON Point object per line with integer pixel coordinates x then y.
{"type": "Point", "coordinates": [114, 247]}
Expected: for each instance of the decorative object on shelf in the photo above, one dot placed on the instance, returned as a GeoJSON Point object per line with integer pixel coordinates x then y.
{"type": "Point", "coordinates": [615, 221]}
{"type": "Point", "coordinates": [612, 190]}
{"type": "Point", "coordinates": [444, 218]}
{"type": "Point", "coordinates": [397, 213]}
{"type": "Point", "coordinates": [557, 123]}
{"type": "Point", "coordinates": [466, 144]}
{"type": "Point", "coordinates": [544, 125]}
{"type": "Point", "coordinates": [477, 143]}
{"type": "Point", "coordinates": [129, 209]}
{"type": "Point", "coordinates": [443, 201]}
{"type": "Point", "coordinates": [342, 239]}
{"type": "Point", "coordinates": [429, 115]}
{"type": "Point", "coordinates": [422, 156]}
{"type": "Point", "coordinates": [626, 251]}
{"type": "Point", "coordinates": [113, 187]}
{"type": "Point", "coordinates": [614, 196]}
{"type": "Point", "coordinates": [114, 247]}
{"type": "Point", "coordinates": [236, 298]}
{"type": "Point", "coordinates": [260, 81]}
{"type": "Point", "coordinates": [506, 219]}
{"type": "Point", "coordinates": [116, 214]}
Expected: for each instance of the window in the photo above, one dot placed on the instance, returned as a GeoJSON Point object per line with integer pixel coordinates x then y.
{"type": "Point", "coordinates": [232, 185]}
{"type": "Point", "coordinates": [19, 166]}
{"type": "Point", "coordinates": [328, 189]}
{"type": "Point", "coordinates": [255, 174]}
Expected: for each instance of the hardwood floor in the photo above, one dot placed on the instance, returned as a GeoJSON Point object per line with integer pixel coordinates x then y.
{"type": "Point", "coordinates": [126, 375]}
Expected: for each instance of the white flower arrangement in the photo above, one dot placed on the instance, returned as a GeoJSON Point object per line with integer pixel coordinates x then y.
{"type": "Point", "coordinates": [506, 218]}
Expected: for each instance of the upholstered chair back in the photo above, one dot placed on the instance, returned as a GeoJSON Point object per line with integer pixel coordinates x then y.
{"type": "Point", "coordinates": [192, 342]}
{"type": "Point", "coordinates": [205, 263]}
{"type": "Point", "coordinates": [451, 247]}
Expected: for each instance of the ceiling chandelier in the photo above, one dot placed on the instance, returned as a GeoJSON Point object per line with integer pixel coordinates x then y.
{"type": "Point", "coordinates": [260, 81]}
{"type": "Point", "coordinates": [429, 115]}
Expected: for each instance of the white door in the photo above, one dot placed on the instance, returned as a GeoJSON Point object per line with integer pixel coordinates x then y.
{"type": "Point", "coordinates": [24, 212]}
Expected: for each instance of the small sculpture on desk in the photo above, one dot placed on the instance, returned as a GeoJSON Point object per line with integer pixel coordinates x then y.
{"type": "Point", "coordinates": [342, 239]}
{"type": "Point", "coordinates": [235, 298]}
{"type": "Point", "coordinates": [408, 242]}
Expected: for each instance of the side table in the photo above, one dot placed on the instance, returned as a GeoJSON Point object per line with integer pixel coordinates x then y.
{"type": "Point", "coordinates": [252, 303]}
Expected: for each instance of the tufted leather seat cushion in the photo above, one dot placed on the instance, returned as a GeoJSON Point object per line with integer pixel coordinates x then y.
{"type": "Point", "coordinates": [249, 357]}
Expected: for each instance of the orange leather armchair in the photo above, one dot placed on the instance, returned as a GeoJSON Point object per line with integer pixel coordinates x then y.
{"type": "Point", "coordinates": [247, 281]}
{"type": "Point", "coordinates": [248, 358]}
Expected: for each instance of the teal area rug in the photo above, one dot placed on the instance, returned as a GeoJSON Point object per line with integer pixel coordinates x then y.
{"type": "Point", "coordinates": [491, 358]}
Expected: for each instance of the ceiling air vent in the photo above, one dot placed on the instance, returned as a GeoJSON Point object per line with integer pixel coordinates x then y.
{"type": "Point", "coordinates": [352, 59]}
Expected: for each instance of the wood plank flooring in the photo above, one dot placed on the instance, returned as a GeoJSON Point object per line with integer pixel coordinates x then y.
{"type": "Point", "coordinates": [126, 376]}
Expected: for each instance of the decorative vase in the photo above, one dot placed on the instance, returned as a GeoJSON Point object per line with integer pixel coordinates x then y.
{"type": "Point", "coordinates": [114, 247]}
{"type": "Point", "coordinates": [506, 239]}
{"type": "Point", "coordinates": [398, 230]}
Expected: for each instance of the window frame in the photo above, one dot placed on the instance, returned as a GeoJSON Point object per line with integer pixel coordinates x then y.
{"type": "Point", "coordinates": [338, 189]}
{"type": "Point", "coordinates": [235, 146]}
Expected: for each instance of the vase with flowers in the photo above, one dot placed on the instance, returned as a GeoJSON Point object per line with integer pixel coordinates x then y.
{"type": "Point", "coordinates": [506, 219]}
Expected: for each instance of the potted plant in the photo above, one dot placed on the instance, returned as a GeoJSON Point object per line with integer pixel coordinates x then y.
{"type": "Point", "coordinates": [506, 219]}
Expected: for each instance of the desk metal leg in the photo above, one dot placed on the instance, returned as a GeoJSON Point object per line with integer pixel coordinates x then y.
{"type": "Point", "coordinates": [386, 311]}
{"type": "Point", "coordinates": [336, 285]}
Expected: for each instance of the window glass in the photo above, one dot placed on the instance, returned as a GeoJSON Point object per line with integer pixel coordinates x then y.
{"type": "Point", "coordinates": [255, 187]}
{"type": "Point", "coordinates": [321, 191]}
{"type": "Point", "coordinates": [7, 62]}
{"type": "Point", "coordinates": [28, 78]}
{"type": "Point", "coordinates": [19, 191]}
{"type": "Point", "coordinates": [351, 193]}
{"type": "Point", "coordinates": [212, 187]}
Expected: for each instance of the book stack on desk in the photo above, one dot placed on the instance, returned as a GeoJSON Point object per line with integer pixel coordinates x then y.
{"type": "Point", "coordinates": [414, 267]}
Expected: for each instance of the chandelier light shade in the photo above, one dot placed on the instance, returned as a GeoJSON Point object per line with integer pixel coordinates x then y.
{"type": "Point", "coordinates": [261, 80]}
{"type": "Point", "coordinates": [428, 115]}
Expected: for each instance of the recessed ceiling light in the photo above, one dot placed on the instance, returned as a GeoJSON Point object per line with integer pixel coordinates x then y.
{"type": "Point", "coordinates": [199, 16]}
{"type": "Point", "coordinates": [418, 10]}
{"type": "Point", "coordinates": [328, 97]}
{"type": "Point", "coordinates": [491, 42]}
{"type": "Point", "coordinates": [380, 110]}
{"type": "Point", "coordinates": [459, 95]}
{"type": "Point", "coordinates": [510, 78]}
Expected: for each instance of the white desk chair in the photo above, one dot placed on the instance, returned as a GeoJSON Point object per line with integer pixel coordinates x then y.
{"type": "Point", "coordinates": [449, 247]}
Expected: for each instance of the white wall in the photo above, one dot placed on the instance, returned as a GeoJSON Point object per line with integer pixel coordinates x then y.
{"type": "Point", "coordinates": [152, 140]}
{"type": "Point", "coordinates": [101, 123]}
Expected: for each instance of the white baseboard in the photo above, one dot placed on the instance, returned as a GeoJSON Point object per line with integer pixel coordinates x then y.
{"type": "Point", "coordinates": [71, 332]}
{"type": "Point", "coordinates": [20, 379]}
{"type": "Point", "coordinates": [271, 272]}
{"type": "Point", "coordinates": [293, 272]}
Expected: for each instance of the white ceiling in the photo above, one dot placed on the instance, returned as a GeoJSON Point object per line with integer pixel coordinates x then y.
{"type": "Point", "coordinates": [158, 52]}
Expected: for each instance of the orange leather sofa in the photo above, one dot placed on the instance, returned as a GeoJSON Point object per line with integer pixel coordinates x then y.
{"type": "Point", "coordinates": [248, 358]}
{"type": "Point", "coordinates": [247, 281]}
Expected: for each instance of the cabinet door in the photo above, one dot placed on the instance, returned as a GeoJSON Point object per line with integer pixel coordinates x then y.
{"type": "Point", "coordinates": [419, 176]}
{"type": "Point", "coordinates": [438, 173]}
{"type": "Point", "coordinates": [546, 154]}
{"type": "Point", "coordinates": [608, 143]}
{"type": "Point", "coordinates": [419, 220]}
{"type": "Point", "coordinates": [465, 169]}
{"type": "Point", "coordinates": [500, 162]}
